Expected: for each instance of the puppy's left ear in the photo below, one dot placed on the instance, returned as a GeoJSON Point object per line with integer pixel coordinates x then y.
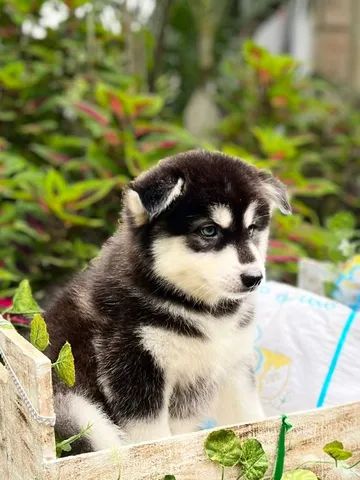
{"type": "Point", "coordinates": [150, 194]}
{"type": "Point", "coordinates": [276, 192]}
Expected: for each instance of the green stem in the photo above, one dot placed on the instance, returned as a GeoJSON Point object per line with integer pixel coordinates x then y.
{"type": "Point", "coordinates": [352, 466]}
{"type": "Point", "coordinates": [222, 473]}
{"type": "Point", "coordinates": [280, 456]}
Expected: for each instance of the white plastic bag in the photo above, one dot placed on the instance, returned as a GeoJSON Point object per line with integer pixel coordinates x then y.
{"type": "Point", "coordinates": [308, 350]}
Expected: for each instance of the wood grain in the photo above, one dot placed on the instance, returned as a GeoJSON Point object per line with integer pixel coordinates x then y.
{"type": "Point", "coordinates": [184, 457]}
{"type": "Point", "coordinates": [24, 444]}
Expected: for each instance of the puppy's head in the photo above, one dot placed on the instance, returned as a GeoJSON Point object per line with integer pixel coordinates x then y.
{"type": "Point", "coordinates": [203, 220]}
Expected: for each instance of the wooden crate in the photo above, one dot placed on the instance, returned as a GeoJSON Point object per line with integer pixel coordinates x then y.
{"type": "Point", "coordinates": [27, 448]}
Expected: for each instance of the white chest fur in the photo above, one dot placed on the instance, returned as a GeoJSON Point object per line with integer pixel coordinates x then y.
{"type": "Point", "coordinates": [185, 359]}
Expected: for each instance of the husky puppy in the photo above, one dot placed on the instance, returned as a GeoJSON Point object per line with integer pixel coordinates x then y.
{"type": "Point", "coordinates": [161, 322]}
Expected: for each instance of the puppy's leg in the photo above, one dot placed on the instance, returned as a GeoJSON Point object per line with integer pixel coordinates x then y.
{"type": "Point", "coordinates": [238, 400]}
{"type": "Point", "coordinates": [74, 412]}
{"type": "Point", "coordinates": [140, 430]}
{"type": "Point", "coordinates": [186, 425]}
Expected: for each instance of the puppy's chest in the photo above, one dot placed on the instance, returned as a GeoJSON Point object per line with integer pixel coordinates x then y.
{"type": "Point", "coordinates": [185, 359]}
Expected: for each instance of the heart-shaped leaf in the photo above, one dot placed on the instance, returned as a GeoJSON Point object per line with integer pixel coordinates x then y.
{"type": "Point", "coordinates": [65, 366]}
{"type": "Point", "coordinates": [39, 336]}
{"type": "Point", "coordinates": [223, 447]}
{"type": "Point", "coordinates": [299, 474]}
{"type": "Point", "coordinates": [23, 301]}
{"type": "Point", "coordinates": [336, 451]}
{"type": "Point", "coordinates": [253, 459]}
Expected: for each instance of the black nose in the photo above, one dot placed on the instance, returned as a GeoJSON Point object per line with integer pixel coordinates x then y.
{"type": "Point", "coordinates": [251, 281]}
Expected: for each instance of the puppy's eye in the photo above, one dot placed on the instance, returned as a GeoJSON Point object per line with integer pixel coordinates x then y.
{"type": "Point", "coordinates": [251, 229]}
{"type": "Point", "coordinates": [209, 231]}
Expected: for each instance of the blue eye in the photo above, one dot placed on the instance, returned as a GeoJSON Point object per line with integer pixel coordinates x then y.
{"type": "Point", "coordinates": [209, 231]}
{"type": "Point", "coordinates": [251, 230]}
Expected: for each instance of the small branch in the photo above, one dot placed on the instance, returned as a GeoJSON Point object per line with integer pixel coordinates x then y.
{"type": "Point", "coordinates": [352, 466]}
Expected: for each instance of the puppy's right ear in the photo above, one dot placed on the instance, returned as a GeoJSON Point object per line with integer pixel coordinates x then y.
{"type": "Point", "coordinates": [151, 194]}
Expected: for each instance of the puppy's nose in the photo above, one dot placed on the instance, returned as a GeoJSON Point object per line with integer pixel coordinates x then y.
{"type": "Point", "coordinates": [251, 281]}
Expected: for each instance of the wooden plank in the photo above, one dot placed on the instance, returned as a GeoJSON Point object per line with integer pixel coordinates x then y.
{"type": "Point", "coordinates": [24, 443]}
{"type": "Point", "coordinates": [184, 457]}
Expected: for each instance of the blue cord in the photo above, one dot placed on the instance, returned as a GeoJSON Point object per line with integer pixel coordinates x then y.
{"type": "Point", "coordinates": [337, 353]}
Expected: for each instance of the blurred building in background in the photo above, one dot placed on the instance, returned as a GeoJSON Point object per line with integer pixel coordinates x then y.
{"type": "Point", "coordinates": [323, 34]}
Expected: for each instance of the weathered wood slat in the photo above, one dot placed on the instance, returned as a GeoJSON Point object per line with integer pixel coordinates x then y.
{"type": "Point", "coordinates": [24, 444]}
{"type": "Point", "coordinates": [184, 457]}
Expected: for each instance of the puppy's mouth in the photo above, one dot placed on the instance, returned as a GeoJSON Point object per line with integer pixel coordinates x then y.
{"type": "Point", "coordinates": [238, 294]}
{"type": "Point", "coordinates": [240, 291]}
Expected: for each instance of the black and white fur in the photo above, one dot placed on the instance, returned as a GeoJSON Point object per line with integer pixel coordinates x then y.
{"type": "Point", "coordinates": [161, 322]}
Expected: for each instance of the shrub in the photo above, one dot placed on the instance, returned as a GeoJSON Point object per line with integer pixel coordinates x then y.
{"type": "Point", "coordinates": [307, 133]}
{"type": "Point", "coordinates": [74, 128]}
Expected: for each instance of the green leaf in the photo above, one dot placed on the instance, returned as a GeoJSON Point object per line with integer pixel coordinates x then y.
{"type": "Point", "coordinates": [299, 474]}
{"type": "Point", "coordinates": [23, 301]}
{"type": "Point", "coordinates": [5, 324]}
{"type": "Point", "coordinates": [39, 336]}
{"type": "Point", "coordinates": [5, 275]}
{"type": "Point", "coordinates": [65, 366]}
{"type": "Point", "coordinates": [13, 75]}
{"type": "Point", "coordinates": [275, 145]}
{"type": "Point", "coordinates": [336, 451]}
{"type": "Point", "coordinates": [65, 445]}
{"type": "Point", "coordinates": [316, 187]}
{"type": "Point", "coordinates": [341, 221]}
{"type": "Point", "coordinates": [223, 447]}
{"type": "Point", "coordinates": [253, 459]}
{"type": "Point", "coordinates": [169, 477]}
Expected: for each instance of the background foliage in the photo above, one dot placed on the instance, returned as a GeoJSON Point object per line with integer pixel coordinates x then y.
{"type": "Point", "coordinates": [85, 107]}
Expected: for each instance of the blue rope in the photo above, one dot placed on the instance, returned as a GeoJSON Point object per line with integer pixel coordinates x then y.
{"type": "Point", "coordinates": [337, 353]}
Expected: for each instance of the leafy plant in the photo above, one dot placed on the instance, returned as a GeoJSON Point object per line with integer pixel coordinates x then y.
{"type": "Point", "coordinates": [307, 133]}
{"type": "Point", "coordinates": [64, 365]}
{"type": "Point", "coordinates": [336, 451]}
{"type": "Point", "coordinates": [224, 448]}
{"type": "Point", "coordinates": [39, 336]}
{"type": "Point", "coordinates": [23, 302]}
{"type": "Point", "coordinates": [74, 128]}
{"type": "Point", "coordinates": [65, 446]}
{"type": "Point", "coordinates": [24, 305]}
{"type": "Point", "coordinates": [253, 460]}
